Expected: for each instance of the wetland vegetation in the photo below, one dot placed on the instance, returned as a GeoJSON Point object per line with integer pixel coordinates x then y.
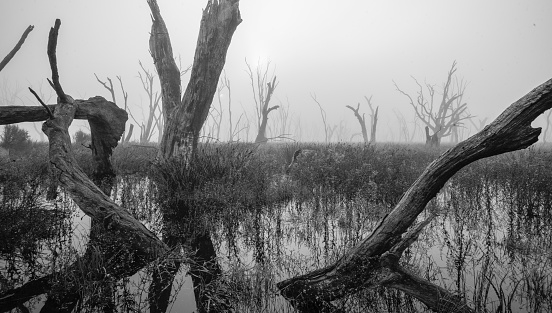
{"type": "Point", "coordinates": [249, 226]}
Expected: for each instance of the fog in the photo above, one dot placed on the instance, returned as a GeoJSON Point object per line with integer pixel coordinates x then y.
{"type": "Point", "coordinates": [339, 50]}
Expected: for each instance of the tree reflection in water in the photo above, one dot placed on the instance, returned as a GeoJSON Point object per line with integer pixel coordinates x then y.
{"type": "Point", "coordinates": [490, 243]}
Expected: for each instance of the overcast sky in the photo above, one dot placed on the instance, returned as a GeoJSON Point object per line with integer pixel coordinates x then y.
{"type": "Point", "coordinates": [339, 50]}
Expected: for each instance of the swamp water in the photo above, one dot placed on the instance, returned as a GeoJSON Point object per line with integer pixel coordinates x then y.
{"type": "Point", "coordinates": [491, 243]}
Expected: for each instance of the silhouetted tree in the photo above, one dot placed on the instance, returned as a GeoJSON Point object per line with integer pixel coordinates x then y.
{"type": "Point", "coordinates": [126, 136]}
{"type": "Point", "coordinates": [263, 88]}
{"type": "Point", "coordinates": [362, 120]}
{"type": "Point", "coordinates": [441, 116]}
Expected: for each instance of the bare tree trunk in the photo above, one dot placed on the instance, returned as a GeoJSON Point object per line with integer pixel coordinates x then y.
{"type": "Point", "coordinates": [374, 261]}
{"type": "Point", "coordinates": [374, 119]}
{"type": "Point", "coordinates": [262, 96]}
{"type": "Point", "coordinates": [361, 120]}
{"type": "Point", "coordinates": [124, 244]}
{"type": "Point", "coordinates": [265, 110]}
{"type": "Point", "coordinates": [184, 117]}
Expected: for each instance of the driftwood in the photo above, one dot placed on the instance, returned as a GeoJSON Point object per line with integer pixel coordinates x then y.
{"type": "Point", "coordinates": [374, 261]}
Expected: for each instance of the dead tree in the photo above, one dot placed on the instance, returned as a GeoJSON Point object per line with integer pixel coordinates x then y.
{"type": "Point", "coordinates": [375, 260]}
{"type": "Point", "coordinates": [154, 114]}
{"type": "Point", "coordinates": [18, 45]}
{"type": "Point", "coordinates": [328, 130]}
{"type": "Point", "coordinates": [111, 89]}
{"type": "Point", "coordinates": [263, 89]}
{"type": "Point", "coordinates": [443, 117]}
{"type": "Point", "coordinates": [126, 242]}
{"type": "Point", "coordinates": [185, 116]}
{"type": "Point", "coordinates": [373, 119]}
{"type": "Point", "coordinates": [126, 136]}
{"type": "Point", "coordinates": [362, 120]}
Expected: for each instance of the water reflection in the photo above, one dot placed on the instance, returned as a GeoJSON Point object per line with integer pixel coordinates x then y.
{"type": "Point", "coordinates": [491, 244]}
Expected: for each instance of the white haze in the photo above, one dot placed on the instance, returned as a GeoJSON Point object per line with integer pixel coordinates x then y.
{"type": "Point", "coordinates": [339, 50]}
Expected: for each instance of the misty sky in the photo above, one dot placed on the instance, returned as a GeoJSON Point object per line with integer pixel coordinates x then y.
{"type": "Point", "coordinates": [339, 50]}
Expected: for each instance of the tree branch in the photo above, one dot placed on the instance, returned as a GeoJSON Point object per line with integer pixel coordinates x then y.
{"type": "Point", "coordinates": [12, 53]}
{"type": "Point", "coordinates": [109, 88]}
{"type": "Point", "coordinates": [50, 114]}
{"type": "Point", "coordinates": [52, 43]}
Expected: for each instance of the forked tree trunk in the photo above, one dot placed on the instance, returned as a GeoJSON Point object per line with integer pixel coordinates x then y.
{"type": "Point", "coordinates": [265, 110]}
{"type": "Point", "coordinates": [362, 121]}
{"type": "Point", "coordinates": [374, 261]}
{"type": "Point", "coordinates": [184, 117]}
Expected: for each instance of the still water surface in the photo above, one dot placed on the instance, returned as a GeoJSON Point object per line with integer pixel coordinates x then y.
{"type": "Point", "coordinates": [491, 243]}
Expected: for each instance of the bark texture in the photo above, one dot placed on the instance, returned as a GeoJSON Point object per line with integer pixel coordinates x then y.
{"type": "Point", "coordinates": [366, 266]}
{"type": "Point", "coordinates": [119, 244]}
{"type": "Point", "coordinates": [185, 117]}
{"type": "Point", "coordinates": [130, 245]}
{"type": "Point", "coordinates": [107, 124]}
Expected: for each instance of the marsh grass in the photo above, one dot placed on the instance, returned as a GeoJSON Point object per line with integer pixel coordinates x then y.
{"type": "Point", "coordinates": [492, 238]}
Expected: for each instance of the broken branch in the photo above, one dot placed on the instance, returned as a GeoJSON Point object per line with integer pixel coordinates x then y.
{"type": "Point", "coordinates": [12, 53]}
{"type": "Point", "coordinates": [52, 43]}
{"type": "Point", "coordinates": [50, 114]}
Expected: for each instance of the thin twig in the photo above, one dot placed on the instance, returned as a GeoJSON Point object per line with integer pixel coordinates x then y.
{"type": "Point", "coordinates": [50, 114]}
